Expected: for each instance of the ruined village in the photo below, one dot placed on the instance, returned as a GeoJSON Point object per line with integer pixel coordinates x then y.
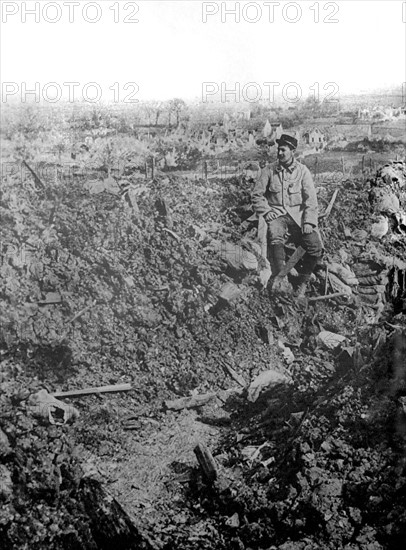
{"type": "Point", "coordinates": [154, 394]}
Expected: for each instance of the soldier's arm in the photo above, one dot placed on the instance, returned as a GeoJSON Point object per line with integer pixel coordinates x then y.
{"type": "Point", "coordinates": [259, 201]}
{"type": "Point", "coordinates": [310, 214]}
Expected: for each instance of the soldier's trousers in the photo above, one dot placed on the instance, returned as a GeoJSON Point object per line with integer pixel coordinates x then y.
{"type": "Point", "coordinates": [281, 228]}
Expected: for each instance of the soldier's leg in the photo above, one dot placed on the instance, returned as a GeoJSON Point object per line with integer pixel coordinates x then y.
{"type": "Point", "coordinates": [277, 234]}
{"type": "Point", "coordinates": [311, 242]}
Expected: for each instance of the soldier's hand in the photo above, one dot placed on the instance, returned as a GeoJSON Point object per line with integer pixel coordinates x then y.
{"type": "Point", "coordinates": [307, 228]}
{"type": "Point", "coordinates": [270, 216]}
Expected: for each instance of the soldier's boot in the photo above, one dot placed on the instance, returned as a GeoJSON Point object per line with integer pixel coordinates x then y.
{"type": "Point", "coordinates": [278, 258]}
{"type": "Point", "coordinates": [309, 265]}
{"type": "Point", "coordinates": [278, 261]}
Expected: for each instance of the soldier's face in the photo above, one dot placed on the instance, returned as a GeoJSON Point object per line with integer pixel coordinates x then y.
{"type": "Point", "coordinates": [285, 153]}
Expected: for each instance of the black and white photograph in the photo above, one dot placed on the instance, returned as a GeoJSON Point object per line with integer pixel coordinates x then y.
{"type": "Point", "coordinates": [203, 275]}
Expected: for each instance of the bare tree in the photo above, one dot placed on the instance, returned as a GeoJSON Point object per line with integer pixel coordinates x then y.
{"type": "Point", "coordinates": [148, 112]}
{"type": "Point", "coordinates": [159, 107]}
{"type": "Point", "coordinates": [176, 106]}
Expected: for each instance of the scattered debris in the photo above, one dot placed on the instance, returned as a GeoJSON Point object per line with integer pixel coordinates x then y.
{"type": "Point", "coordinates": [5, 448]}
{"type": "Point", "coordinates": [50, 299]}
{"type": "Point", "coordinates": [46, 406]}
{"type": "Point", "coordinates": [330, 340]}
{"type": "Point", "coordinates": [358, 235]}
{"type": "Point", "coordinates": [234, 375]}
{"type": "Point", "coordinates": [286, 352]}
{"type": "Point", "coordinates": [95, 187]}
{"type": "Point", "coordinates": [345, 274]}
{"type": "Point", "coordinates": [252, 452]}
{"type": "Point", "coordinates": [235, 255]}
{"type": "Point", "coordinates": [338, 285]}
{"type": "Point", "coordinates": [109, 522]}
{"type": "Point", "coordinates": [164, 212]}
{"type": "Point", "coordinates": [233, 521]}
{"type": "Point", "coordinates": [266, 333]}
{"type": "Point", "coordinates": [380, 227]}
{"type": "Point", "coordinates": [190, 402]}
{"type": "Point", "coordinates": [384, 200]}
{"type": "Point", "coordinates": [265, 380]}
{"type": "Point", "coordinates": [171, 233]}
{"type": "Point", "coordinates": [6, 484]}
{"type": "Point", "coordinates": [230, 292]}
{"type": "Point", "coordinates": [323, 477]}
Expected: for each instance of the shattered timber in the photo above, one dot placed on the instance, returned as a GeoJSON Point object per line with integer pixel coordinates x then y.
{"type": "Point", "coordinates": [192, 410]}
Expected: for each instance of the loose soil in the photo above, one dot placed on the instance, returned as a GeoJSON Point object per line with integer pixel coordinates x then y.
{"type": "Point", "coordinates": [122, 285]}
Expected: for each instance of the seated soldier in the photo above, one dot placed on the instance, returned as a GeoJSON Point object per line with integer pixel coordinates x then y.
{"type": "Point", "coordinates": [285, 195]}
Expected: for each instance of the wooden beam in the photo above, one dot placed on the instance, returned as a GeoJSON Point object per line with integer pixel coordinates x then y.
{"type": "Point", "coordinates": [327, 297]}
{"type": "Point", "coordinates": [34, 175]}
{"type": "Point", "coordinates": [327, 211]}
{"type": "Point", "coordinates": [93, 391]}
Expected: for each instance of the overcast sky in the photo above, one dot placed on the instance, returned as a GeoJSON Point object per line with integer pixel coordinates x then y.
{"type": "Point", "coordinates": [176, 46]}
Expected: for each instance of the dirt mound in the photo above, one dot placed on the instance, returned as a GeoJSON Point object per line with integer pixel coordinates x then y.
{"type": "Point", "coordinates": [155, 283]}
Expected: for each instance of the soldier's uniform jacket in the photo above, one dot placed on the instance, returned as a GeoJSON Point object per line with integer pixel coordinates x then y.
{"type": "Point", "coordinates": [286, 190]}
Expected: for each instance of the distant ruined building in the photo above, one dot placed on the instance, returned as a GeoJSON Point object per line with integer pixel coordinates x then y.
{"type": "Point", "coordinates": [315, 138]}
{"type": "Point", "coordinates": [272, 130]}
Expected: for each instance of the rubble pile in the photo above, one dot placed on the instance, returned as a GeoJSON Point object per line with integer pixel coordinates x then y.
{"type": "Point", "coordinates": [158, 285]}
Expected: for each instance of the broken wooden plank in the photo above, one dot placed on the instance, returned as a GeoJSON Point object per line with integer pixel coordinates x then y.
{"type": "Point", "coordinates": [93, 391]}
{"type": "Point", "coordinates": [263, 236]}
{"type": "Point", "coordinates": [171, 233]}
{"type": "Point", "coordinates": [327, 211]}
{"type": "Point", "coordinates": [234, 375]}
{"type": "Point", "coordinates": [328, 296]}
{"type": "Point", "coordinates": [164, 212]}
{"type": "Point", "coordinates": [326, 282]}
{"type": "Point", "coordinates": [206, 461]}
{"type": "Point", "coordinates": [79, 314]}
{"type": "Point", "coordinates": [190, 402]}
{"type": "Point", "coordinates": [34, 175]}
